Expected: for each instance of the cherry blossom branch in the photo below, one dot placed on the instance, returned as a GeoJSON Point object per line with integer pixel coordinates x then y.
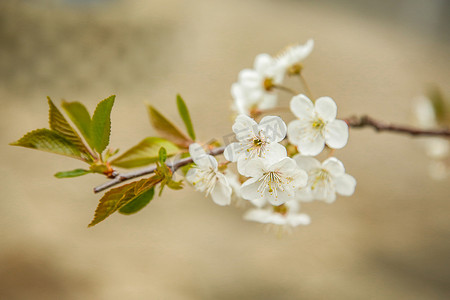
{"type": "Point", "coordinates": [119, 178]}
{"type": "Point", "coordinates": [354, 122]}
{"type": "Point", "coordinates": [366, 121]}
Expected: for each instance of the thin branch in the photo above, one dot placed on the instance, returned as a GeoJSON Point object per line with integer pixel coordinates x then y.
{"type": "Point", "coordinates": [354, 122]}
{"type": "Point", "coordinates": [285, 88]}
{"type": "Point", "coordinates": [306, 87]}
{"type": "Point", "coordinates": [119, 178]}
{"type": "Point", "coordinates": [366, 121]}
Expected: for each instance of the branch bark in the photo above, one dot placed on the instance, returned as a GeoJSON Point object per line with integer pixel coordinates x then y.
{"type": "Point", "coordinates": [119, 178]}
{"type": "Point", "coordinates": [354, 122]}
{"type": "Point", "coordinates": [366, 121]}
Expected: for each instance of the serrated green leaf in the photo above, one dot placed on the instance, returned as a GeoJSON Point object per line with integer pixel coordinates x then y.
{"type": "Point", "coordinates": [79, 115]}
{"type": "Point", "coordinates": [60, 125]}
{"type": "Point", "coordinates": [101, 124]}
{"type": "Point", "coordinates": [184, 113]}
{"type": "Point", "coordinates": [116, 198]}
{"type": "Point", "coordinates": [72, 173]}
{"type": "Point", "coordinates": [166, 129]}
{"type": "Point", "coordinates": [145, 153]}
{"type": "Point", "coordinates": [162, 155]}
{"type": "Point", "coordinates": [138, 203]}
{"type": "Point", "coordinates": [50, 141]}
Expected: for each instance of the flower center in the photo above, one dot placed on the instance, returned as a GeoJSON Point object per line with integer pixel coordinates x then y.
{"type": "Point", "coordinates": [273, 181]}
{"type": "Point", "coordinates": [281, 209]}
{"type": "Point", "coordinates": [206, 180]}
{"type": "Point", "coordinates": [318, 124]}
{"type": "Point", "coordinates": [320, 177]}
{"type": "Point", "coordinates": [295, 69]}
{"type": "Point", "coordinates": [258, 142]}
{"type": "Point", "coordinates": [268, 84]}
{"type": "Point", "coordinates": [256, 146]}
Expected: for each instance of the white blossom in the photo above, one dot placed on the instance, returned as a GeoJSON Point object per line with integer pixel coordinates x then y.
{"type": "Point", "coordinates": [256, 140]}
{"type": "Point", "coordinates": [254, 89]}
{"type": "Point", "coordinates": [425, 114]}
{"type": "Point", "coordinates": [324, 179]}
{"type": "Point", "coordinates": [286, 216]}
{"type": "Point", "coordinates": [316, 125]}
{"type": "Point", "coordinates": [233, 181]}
{"type": "Point", "coordinates": [205, 176]}
{"type": "Point", "coordinates": [290, 58]}
{"type": "Point", "coordinates": [271, 182]}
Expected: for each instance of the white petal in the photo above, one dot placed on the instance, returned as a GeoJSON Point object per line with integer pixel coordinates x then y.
{"type": "Point", "coordinates": [286, 166]}
{"type": "Point", "coordinates": [191, 175]}
{"type": "Point", "coordinates": [195, 150]}
{"type": "Point", "coordinates": [277, 219]}
{"type": "Point", "coordinates": [306, 163]}
{"type": "Point", "coordinates": [279, 197]}
{"type": "Point", "coordinates": [298, 219]}
{"type": "Point", "coordinates": [257, 215]}
{"type": "Point", "coordinates": [334, 166]}
{"type": "Point", "coordinates": [233, 151]}
{"type": "Point", "coordinates": [295, 131]}
{"type": "Point", "coordinates": [269, 100]}
{"type": "Point", "coordinates": [293, 205]}
{"type": "Point", "coordinates": [251, 168]}
{"type": "Point", "coordinates": [302, 107]}
{"type": "Point", "coordinates": [324, 193]}
{"type": "Point", "coordinates": [221, 194]}
{"type": "Point", "coordinates": [326, 109]}
{"type": "Point", "coordinates": [249, 190]}
{"type": "Point", "coordinates": [345, 185]}
{"type": "Point", "coordinates": [296, 54]}
{"type": "Point", "coordinates": [437, 148]}
{"type": "Point", "coordinates": [244, 127]}
{"type": "Point", "coordinates": [308, 146]}
{"type": "Point", "coordinates": [274, 152]}
{"type": "Point", "coordinates": [263, 62]}
{"type": "Point", "coordinates": [274, 128]}
{"type": "Point", "coordinates": [300, 179]}
{"type": "Point", "coordinates": [236, 91]}
{"type": "Point", "coordinates": [336, 134]}
{"type": "Point", "coordinates": [258, 202]}
{"type": "Point", "coordinates": [206, 161]}
{"type": "Point", "coordinates": [249, 79]}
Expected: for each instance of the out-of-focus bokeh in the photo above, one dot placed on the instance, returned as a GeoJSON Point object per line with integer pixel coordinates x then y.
{"type": "Point", "coordinates": [390, 240]}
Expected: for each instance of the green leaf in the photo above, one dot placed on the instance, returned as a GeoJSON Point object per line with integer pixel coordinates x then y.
{"type": "Point", "coordinates": [116, 198]}
{"type": "Point", "coordinates": [79, 115]}
{"type": "Point", "coordinates": [138, 202]}
{"type": "Point", "coordinates": [101, 124]}
{"type": "Point", "coordinates": [162, 155]}
{"type": "Point", "coordinates": [438, 102]}
{"type": "Point", "coordinates": [145, 153]}
{"type": "Point", "coordinates": [73, 173]}
{"type": "Point", "coordinates": [184, 113]}
{"type": "Point", "coordinates": [50, 141]}
{"type": "Point", "coordinates": [166, 129]}
{"type": "Point", "coordinates": [60, 125]}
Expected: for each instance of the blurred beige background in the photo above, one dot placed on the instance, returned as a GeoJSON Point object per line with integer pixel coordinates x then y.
{"type": "Point", "coordinates": [390, 240]}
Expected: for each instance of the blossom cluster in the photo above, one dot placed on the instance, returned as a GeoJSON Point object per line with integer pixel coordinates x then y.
{"type": "Point", "coordinates": [272, 179]}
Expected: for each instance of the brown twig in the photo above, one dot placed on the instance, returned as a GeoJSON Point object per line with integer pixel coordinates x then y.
{"type": "Point", "coordinates": [354, 122]}
{"type": "Point", "coordinates": [366, 121]}
{"type": "Point", "coordinates": [119, 178]}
